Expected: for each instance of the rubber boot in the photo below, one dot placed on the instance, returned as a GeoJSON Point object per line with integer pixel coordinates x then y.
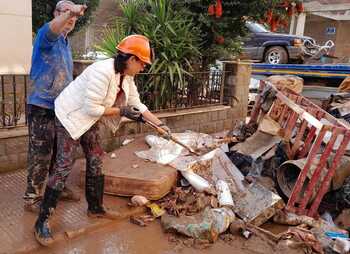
{"type": "Point", "coordinates": [42, 230]}
{"type": "Point", "coordinates": [94, 188]}
{"type": "Point", "coordinates": [33, 197]}
{"type": "Point", "coordinates": [32, 205]}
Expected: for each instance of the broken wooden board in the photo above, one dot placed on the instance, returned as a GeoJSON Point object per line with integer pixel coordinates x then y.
{"type": "Point", "coordinates": [269, 126]}
{"type": "Point", "coordinates": [257, 144]}
{"type": "Point", "coordinates": [257, 204]}
{"type": "Point", "coordinates": [128, 175]}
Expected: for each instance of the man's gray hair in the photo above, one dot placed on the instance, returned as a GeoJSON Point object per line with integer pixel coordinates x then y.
{"type": "Point", "coordinates": [59, 3]}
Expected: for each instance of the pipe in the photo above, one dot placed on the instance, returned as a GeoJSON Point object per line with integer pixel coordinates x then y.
{"type": "Point", "coordinates": [287, 174]}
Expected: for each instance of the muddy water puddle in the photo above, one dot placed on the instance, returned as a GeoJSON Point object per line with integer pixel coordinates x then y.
{"type": "Point", "coordinates": [126, 238]}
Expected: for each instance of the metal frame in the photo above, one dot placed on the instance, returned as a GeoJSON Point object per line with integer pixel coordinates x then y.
{"type": "Point", "coordinates": [303, 125]}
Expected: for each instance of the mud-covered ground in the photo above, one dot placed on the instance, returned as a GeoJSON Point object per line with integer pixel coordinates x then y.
{"type": "Point", "coordinates": [127, 238]}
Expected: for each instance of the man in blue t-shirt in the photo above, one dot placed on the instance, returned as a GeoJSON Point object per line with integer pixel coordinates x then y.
{"type": "Point", "coordinates": [51, 71]}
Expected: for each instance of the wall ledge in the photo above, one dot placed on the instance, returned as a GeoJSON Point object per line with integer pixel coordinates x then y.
{"type": "Point", "coordinates": [23, 131]}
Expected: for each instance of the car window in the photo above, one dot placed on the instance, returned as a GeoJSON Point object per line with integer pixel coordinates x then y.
{"type": "Point", "coordinates": [256, 28]}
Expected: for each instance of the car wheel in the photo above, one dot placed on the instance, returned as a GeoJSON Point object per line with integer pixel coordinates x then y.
{"type": "Point", "coordinates": [276, 55]}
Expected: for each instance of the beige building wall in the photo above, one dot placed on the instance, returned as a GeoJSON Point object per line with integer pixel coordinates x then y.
{"type": "Point", "coordinates": [316, 28]}
{"type": "Point", "coordinates": [16, 36]}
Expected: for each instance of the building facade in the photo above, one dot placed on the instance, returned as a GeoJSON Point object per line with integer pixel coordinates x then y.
{"type": "Point", "coordinates": [16, 36]}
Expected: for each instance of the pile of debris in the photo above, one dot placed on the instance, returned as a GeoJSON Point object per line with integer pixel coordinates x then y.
{"type": "Point", "coordinates": [224, 192]}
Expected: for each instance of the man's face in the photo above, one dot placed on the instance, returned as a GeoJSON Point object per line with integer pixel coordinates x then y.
{"type": "Point", "coordinates": [64, 7]}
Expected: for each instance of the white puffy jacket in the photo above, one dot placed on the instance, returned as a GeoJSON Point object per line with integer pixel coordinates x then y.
{"type": "Point", "coordinates": [82, 103]}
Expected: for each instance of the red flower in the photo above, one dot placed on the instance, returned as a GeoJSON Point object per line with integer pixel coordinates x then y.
{"type": "Point", "coordinates": [300, 7]}
{"type": "Point", "coordinates": [220, 39]}
{"type": "Point", "coordinates": [211, 10]}
{"type": "Point", "coordinates": [269, 16]}
{"type": "Point", "coordinates": [218, 9]}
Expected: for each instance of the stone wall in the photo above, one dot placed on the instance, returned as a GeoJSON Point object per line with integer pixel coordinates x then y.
{"type": "Point", "coordinates": [14, 143]}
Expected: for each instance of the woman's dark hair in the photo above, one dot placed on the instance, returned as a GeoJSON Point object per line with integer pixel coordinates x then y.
{"type": "Point", "coordinates": [120, 61]}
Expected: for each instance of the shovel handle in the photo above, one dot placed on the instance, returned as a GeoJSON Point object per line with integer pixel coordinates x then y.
{"type": "Point", "coordinates": [162, 132]}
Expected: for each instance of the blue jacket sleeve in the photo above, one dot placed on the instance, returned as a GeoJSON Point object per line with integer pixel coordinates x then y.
{"type": "Point", "coordinates": [46, 37]}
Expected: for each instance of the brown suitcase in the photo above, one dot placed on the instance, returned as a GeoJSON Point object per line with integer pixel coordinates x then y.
{"type": "Point", "coordinates": [128, 175]}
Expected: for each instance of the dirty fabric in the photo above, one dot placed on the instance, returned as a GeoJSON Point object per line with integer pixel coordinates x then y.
{"type": "Point", "coordinates": [66, 148]}
{"type": "Point", "coordinates": [302, 238]}
{"type": "Point", "coordinates": [186, 201]}
{"type": "Point", "coordinates": [244, 131]}
{"type": "Point", "coordinates": [41, 149]}
{"type": "Point", "coordinates": [52, 67]}
{"type": "Point", "coordinates": [207, 225]}
{"type": "Point", "coordinates": [241, 161]}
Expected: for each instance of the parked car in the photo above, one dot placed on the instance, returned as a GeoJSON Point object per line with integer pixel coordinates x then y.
{"type": "Point", "coordinates": [273, 48]}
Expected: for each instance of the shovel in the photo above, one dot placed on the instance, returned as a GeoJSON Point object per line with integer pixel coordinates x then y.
{"type": "Point", "coordinates": [171, 137]}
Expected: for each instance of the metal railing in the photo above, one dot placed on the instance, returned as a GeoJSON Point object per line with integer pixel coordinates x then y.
{"type": "Point", "coordinates": [156, 91]}
{"type": "Point", "coordinates": [13, 93]}
{"type": "Point", "coordinates": [198, 89]}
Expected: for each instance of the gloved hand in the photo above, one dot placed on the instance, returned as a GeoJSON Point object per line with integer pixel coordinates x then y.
{"type": "Point", "coordinates": [131, 113]}
{"type": "Point", "coordinates": [167, 130]}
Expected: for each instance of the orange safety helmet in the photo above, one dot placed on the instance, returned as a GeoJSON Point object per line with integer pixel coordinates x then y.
{"type": "Point", "coordinates": [137, 45]}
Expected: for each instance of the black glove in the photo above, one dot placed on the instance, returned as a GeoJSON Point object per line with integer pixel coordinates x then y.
{"type": "Point", "coordinates": [131, 113]}
{"type": "Point", "coordinates": [166, 135]}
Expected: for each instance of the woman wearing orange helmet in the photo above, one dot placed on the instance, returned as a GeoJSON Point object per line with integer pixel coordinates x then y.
{"type": "Point", "coordinates": [104, 92]}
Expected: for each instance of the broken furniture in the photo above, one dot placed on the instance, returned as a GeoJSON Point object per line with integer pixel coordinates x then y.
{"type": "Point", "coordinates": [309, 130]}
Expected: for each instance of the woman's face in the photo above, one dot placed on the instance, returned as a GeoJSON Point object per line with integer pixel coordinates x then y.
{"type": "Point", "coordinates": [134, 66]}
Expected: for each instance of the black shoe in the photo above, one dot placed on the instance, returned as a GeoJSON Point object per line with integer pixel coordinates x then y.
{"type": "Point", "coordinates": [42, 230]}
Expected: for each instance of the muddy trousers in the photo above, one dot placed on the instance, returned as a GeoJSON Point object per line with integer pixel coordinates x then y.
{"type": "Point", "coordinates": [66, 148]}
{"type": "Point", "coordinates": [65, 156]}
{"type": "Point", "coordinates": [41, 150]}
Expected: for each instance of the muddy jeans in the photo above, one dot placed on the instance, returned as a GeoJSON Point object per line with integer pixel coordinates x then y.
{"type": "Point", "coordinates": [66, 148]}
{"type": "Point", "coordinates": [41, 149]}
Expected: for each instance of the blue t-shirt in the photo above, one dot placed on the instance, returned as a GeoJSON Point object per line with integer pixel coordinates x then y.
{"type": "Point", "coordinates": [52, 67]}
